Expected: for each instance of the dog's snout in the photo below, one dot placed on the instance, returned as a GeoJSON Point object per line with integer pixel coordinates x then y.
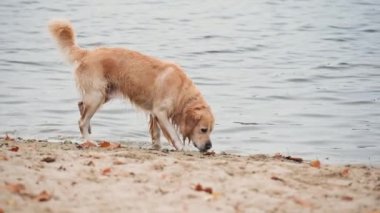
{"type": "Point", "coordinates": [205, 147]}
{"type": "Point", "coordinates": [208, 145]}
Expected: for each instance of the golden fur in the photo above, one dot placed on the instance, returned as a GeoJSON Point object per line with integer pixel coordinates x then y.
{"type": "Point", "coordinates": [158, 87]}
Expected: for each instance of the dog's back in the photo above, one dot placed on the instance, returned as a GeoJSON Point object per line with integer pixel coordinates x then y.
{"type": "Point", "coordinates": [113, 71]}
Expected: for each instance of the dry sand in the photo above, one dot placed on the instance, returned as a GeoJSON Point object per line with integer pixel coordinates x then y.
{"type": "Point", "coordinates": [59, 177]}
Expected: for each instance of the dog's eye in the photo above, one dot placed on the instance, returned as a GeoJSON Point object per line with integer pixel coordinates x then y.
{"type": "Point", "coordinates": [204, 130]}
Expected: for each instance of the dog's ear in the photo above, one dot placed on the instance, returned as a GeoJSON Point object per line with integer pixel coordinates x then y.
{"type": "Point", "coordinates": [190, 120]}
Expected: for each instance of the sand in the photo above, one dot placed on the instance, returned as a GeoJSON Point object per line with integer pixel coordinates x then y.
{"type": "Point", "coordinates": [40, 176]}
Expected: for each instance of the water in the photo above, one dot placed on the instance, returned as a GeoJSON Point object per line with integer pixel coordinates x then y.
{"type": "Point", "coordinates": [297, 77]}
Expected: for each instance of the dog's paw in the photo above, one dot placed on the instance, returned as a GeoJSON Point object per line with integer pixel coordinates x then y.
{"type": "Point", "coordinates": [156, 146]}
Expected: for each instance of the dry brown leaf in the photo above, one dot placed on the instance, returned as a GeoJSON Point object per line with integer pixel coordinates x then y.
{"type": "Point", "coordinates": [87, 144]}
{"type": "Point", "coordinates": [208, 190]}
{"type": "Point", "coordinates": [298, 160]}
{"type": "Point", "coordinates": [277, 178]}
{"type": "Point", "coordinates": [106, 171]}
{"type": "Point", "coordinates": [14, 149]}
{"type": "Point", "coordinates": [279, 156]}
{"type": "Point", "coordinates": [90, 163]}
{"type": "Point", "coordinates": [315, 164]}
{"type": "Point", "coordinates": [1, 210]}
{"type": "Point", "coordinates": [43, 196]}
{"type": "Point", "coordinates": [110, 145]}
{"type": "Point", "coordinates": [198, 187]}
{"type": "Point", "coordinates": [347, 198]}
{"type": "Point", "coordinates": [17, 188]}
{"type": "Point", "coordinates": [104, 144]}
{"type": "Point", "coordinates": [48, 159]}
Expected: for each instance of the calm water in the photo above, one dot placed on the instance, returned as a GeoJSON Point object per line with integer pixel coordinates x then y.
{"type": "Point", "coordinates": [297, 77]}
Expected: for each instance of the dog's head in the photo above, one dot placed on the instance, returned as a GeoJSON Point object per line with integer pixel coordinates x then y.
{"type": "Point", "coordinates": [197, 125]}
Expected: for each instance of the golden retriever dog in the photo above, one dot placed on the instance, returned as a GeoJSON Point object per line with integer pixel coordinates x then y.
{"type": "Point", "coordinates": [158, 87]}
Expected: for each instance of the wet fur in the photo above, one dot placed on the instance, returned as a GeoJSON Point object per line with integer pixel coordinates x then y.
{"type": "Point", "coordinates": [158, 87]}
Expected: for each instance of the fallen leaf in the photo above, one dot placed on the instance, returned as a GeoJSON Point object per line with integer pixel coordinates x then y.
{"type": "Point", "coordinates": [1, 210]}
{"type": "Point", "coordinates": [87, 144]}
{"type": "Point", "coordinates": [104, 144]}
{"type": "Point", "coordinates": [277, 178]}
{"type": "Point", "coordinates": [48, 159]}
{"type": "Point", "coordinates": [90, 163]}
{"type": "Point", "coordinates": [315, 164]}
{"type": "Point", "coordinates": [345, 172]}
{"type": "Point", "coordinates": [347, 198]}
{"type": "Point", "coordinates": [110, 145]}
{"type": "Point", "coordinates": [106, 171]}
{"type": "Point", "coordinates": [208, 190]}
{"type": "Point", "coordinates": [17, 188]}
{"type": "Point", "coordinates": [198, 187]}
{"type": "Point", "coordinates": [14, 149]}
{"type": "Point", "coordinates": [43, 196]}
{"type": "Point", "coordinates": [298, 160]}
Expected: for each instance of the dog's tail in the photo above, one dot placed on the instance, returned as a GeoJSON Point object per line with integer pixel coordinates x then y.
{"type": "Point", "coordinates": [63, 32]}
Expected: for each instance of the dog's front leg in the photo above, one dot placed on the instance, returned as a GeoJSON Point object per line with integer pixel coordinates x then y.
{"type": "Point", "coordinates": [168, 130]}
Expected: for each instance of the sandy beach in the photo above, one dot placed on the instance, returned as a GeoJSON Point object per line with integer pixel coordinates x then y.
{"type": "Point", "coordinates": [39, 176]}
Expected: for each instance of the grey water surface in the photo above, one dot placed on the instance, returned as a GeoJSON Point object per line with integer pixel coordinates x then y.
{"type": "Point", "coordinates": [297, 77]}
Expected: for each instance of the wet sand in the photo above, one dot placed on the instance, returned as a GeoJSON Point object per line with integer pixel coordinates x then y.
{"type": "Point", "coordinates": [39, 176]}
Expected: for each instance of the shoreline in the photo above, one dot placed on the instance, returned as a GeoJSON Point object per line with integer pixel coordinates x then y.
{"type": "Point", "coordinates": [327, 158]}
{"type": "Point", "coordinates": [40, 176]}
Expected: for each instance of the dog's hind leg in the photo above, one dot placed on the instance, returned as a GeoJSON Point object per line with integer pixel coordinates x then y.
{"type": "Point", "coordinates": [91, 103]}
{"type": "Point", "coordinates": [81, 110]}
{"type": "Point", "coordinates": [154, 130]}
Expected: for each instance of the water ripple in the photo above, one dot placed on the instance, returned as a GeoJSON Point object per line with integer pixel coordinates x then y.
{"type": "Point", "coordinates": [25, 62]}
{"type": "Point", "coordinates": [276, 80]}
